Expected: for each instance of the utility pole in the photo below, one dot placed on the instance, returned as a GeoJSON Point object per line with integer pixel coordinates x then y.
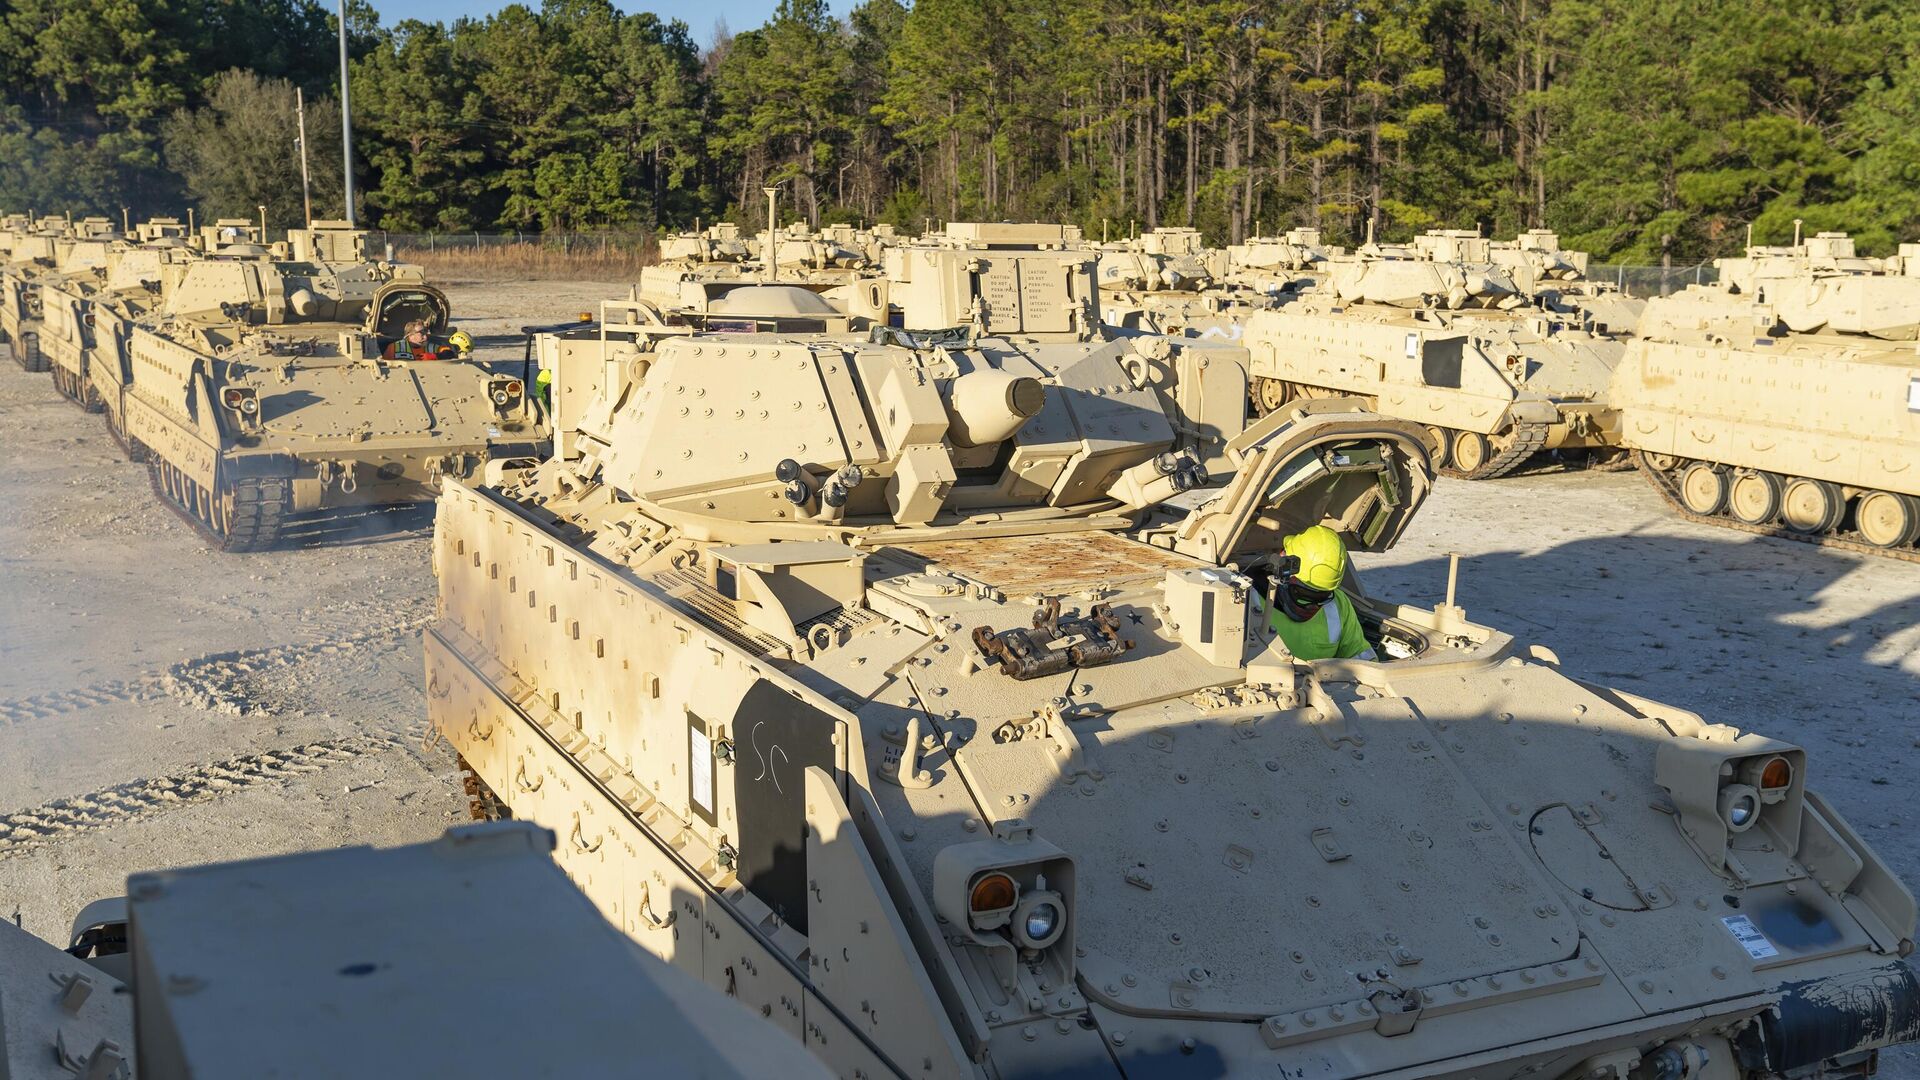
{"type": "Point", "coordinates": [346, 116]}
{"type": "Point", "coordinates": [770, 264]}
{"type": "Point", "coordinates": [306, 190]}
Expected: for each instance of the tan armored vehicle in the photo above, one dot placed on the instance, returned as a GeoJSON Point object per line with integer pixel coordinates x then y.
{"type": "Point", "coordinates": [1166, 281]}
{"type": "Point", "coordinates": [1450, 343]}
{"type": "Point", "coordinates": [261, 389]}
{"type": "Point", "coordinates": [916, 689]}
{"type": "Point", "coordinates": [30, 256]}
{"type": "Point", "coordinates": [66, 333]}
{"type": "Point", "coordinates": [1786, 398]}
{"type": "Point", "coordinates": [1556, 278]}
{"type": "Point", "coordinates": [135, 284]}
{"type": "Point", "coordinates": [344, 963]}
{"type": "Point", "coordinates": [1280, 266]}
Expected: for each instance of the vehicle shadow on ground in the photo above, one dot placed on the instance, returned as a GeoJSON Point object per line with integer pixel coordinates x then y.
{"type": "Point", "coordinates": [1722, 625]}
{"type": "Point", "coordinates": [358, 526]}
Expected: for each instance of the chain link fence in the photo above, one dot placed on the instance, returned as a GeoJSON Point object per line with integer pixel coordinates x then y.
{"type": "Point", "coordinates": [453, 256]}
{"type": "Point", "coordinates": [638, 247]}
{"type": "Point", "coordinates": [571, 243]}
{"type": "Point", "coordinates": [1651, 281]}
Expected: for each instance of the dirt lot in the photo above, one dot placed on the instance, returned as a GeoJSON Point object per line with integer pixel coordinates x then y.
{"type": "Point", "coordinates": [162, 705]}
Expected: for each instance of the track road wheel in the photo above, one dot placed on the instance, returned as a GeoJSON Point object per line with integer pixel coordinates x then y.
{"type": "Point", "coordinates": [1811, 506]}
{"type": "Point", "coordinates": [1754, 497]}
{"type": "Point", "coordinates": [1440, 442]}
{"type": "Point", "coordinates": [1468, 452]}
{"type": "Point", "coordinates": [1703, 488]}
{"type": "Point", "coordinates": [1661, 462]}
{"type": "Point", "coordinates": [1888, 519]}
{"type": "Point", "coordinates": [1270, 394]}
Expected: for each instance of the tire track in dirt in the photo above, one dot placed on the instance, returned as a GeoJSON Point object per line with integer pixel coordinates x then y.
{"type": "Point", "coordinates": [26, 830]}
{"type": "Point", "coordinates": [205, 682]}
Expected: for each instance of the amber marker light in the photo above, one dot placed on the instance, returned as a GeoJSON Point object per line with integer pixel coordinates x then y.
{"type": "Point", "coordinates": [992, 892]}
{"type": "Point", "coordinates": [1776, 774]}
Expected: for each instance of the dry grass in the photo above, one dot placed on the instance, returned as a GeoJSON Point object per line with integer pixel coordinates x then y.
{"type": "Point", "coordinates": [527, 261]}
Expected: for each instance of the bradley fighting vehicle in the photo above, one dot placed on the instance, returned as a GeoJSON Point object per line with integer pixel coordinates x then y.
{"type": "Point", "coordinates": [697, 270]}
{"type": "Point", "coordinates": [1450, 343]}
{"type": "Point", "coordinates": [259, 390]}
{"type": "Point", "coordinates": [320, 965]}
{"type": "Point", "coordinates": [30, 256]}
{"type": "Point", "coordinates": [103, 310]}
{"type": "Point", "coordinates": [1166, 281]}
{"type": "Point", "coordinates": [916, 689]}
{"type": "Point", "coordinates": [87, 267]}
{"type": "Point", "coordinates": [1786, 398]}
{"type": "Point", "coordinates": [1556, 278]}
{"type": "Point", "coordinates": [1281, 266]}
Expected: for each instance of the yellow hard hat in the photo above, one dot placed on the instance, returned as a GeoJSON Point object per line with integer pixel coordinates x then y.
{"type": "Point", "coordinates": [459, 339]}
{"type": "Point", "coordinates": [1322, 555]}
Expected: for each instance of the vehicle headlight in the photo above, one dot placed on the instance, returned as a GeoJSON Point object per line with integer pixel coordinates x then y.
{"type": "Point", "coordinates": [1739, 807]}
{"type": "Point", "coordinates": [1039, 920]}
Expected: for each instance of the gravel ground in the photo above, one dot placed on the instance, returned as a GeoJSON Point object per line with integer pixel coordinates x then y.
{"type": "Point", "coordinates": [162, 705]}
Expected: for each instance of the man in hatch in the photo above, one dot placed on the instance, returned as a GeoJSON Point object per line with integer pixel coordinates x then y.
{"type": "Point", "coordinates": [1313, 617]}
{"type": "Point", "coordinates": [416, 343]}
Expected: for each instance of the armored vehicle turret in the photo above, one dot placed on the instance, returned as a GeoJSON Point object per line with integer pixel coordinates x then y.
{"type": "Point", "coordinates": [919, 689]}
{"type": "Point", "coordinates": [1438, 334]}
{"type": "Point", "coordinates": [1166, 281]}
{"type": "Point", "coordinates": [261, 389]}
{"type": "Point", "coordinates": [237, 237]}
{"type": "Point", "coordinates": [1280, 266]}
{"type": "Point", "coordinates": [1786, 398]}
{"type": "Point", "coordinates": [1556, 278]}
{"type": "Point", "coordinates": [697, 271]}
{"type": "Point", "coordinates": [331, 242]}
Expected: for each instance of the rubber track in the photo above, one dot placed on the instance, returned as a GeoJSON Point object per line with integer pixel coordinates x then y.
{"type": "Point", "coordinates": [259, 513]}
{"type": "Point", "coordinates": [25, 830]}
{"type": "Point", "coordinates": [1669, 490]}
{"type": "Point", "coordinates": [36, 363]}
{"type": "Point", "coordinates": [258, 519]}
{"type": "Point", "coordinates": [1528, 439]}
{"type": "Point", "coordinates": [482, 803]}
{"type": "Point", "coordinates": [60, 383]}
{"type": "Point", "coordinates": [121, 439]}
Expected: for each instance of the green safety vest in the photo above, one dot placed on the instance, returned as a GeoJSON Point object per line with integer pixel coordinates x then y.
{"type": "Point", "coordinates": [1333, 631]}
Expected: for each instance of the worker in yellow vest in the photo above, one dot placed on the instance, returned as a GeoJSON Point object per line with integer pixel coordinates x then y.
{"type": "Point", "coordinates": [1313, 617]}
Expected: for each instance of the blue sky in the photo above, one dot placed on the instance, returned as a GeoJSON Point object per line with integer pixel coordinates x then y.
{"type": "Point", "coordinates": [699, 15]}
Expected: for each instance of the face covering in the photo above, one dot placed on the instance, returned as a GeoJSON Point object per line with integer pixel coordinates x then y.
{"type": "Point", "coordinates": [1302, 601]}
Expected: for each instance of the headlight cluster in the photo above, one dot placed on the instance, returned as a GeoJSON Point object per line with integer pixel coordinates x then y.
{"type": "Point", "coordinates": [1012, 895]}
{"type": "Point", "coordinates": [1724, 788]}
{"type": "Point", "coordinates": [504, 391]}
{"type": "Point", "coordinates": [241, 400]}
{"type": "Point", "coordinates": [1035, 920]}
